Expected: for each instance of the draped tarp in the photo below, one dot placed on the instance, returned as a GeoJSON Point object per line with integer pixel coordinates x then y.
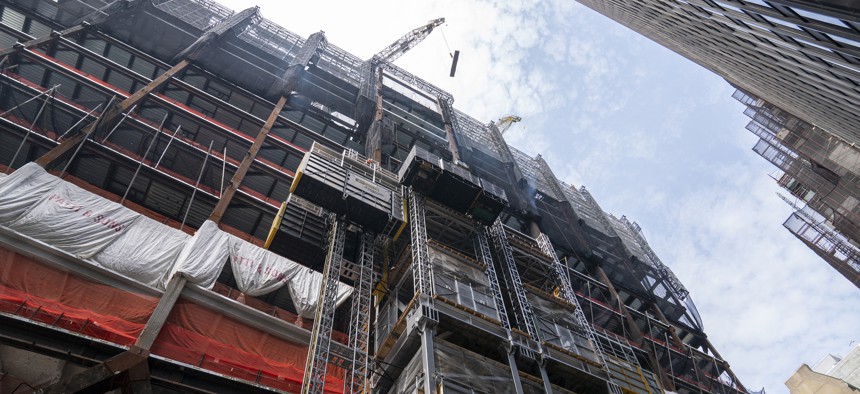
{"type": "Point", "coordinates": [259, 271]}
{"type": "Point", "coordinates": [22, 189]}
{"type": "Point", "coordinates": [43, 207]}
{"type": "Point", "coordinates": [75, 220]}
{"type": "Point", "coordinates": [146, 252]}
{"type": "Point", "coordinates": [203, 257]}
{"type": "Point", "coordinates": [305, 288]}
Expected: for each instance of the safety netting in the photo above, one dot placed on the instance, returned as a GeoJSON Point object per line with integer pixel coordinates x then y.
{"type": "Point", "coordinates": [199, 336]}
{"type": "Point", "coordinates": [57, 298]}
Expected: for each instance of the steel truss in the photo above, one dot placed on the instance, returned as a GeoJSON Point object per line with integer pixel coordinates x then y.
{"type": "Point", "coordinates": [524, 315]}
{"type": "Point", "coordinates": [318, 351]}
{"type": "Point", "coordinates": [482, 248]}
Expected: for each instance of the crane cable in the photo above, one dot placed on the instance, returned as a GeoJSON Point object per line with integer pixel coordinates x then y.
{"type": "Point", "coordinates": [446, 41]}
{"type": "Point", "coordinates": [454, 56]}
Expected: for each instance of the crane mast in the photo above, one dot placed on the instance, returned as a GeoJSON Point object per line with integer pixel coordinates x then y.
{"type": "Point", "coordinates": [368, 106]}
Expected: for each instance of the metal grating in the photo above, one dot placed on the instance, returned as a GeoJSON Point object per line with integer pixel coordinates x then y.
{"type": "Point", "coordinates": [201, 14]}
{"type": "Point", "coordinates": [273, 39]}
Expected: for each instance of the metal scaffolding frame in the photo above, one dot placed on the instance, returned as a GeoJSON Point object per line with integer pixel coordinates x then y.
{"type": "Point", "coordinates": [318, 349]}
{"type": "Point", "coordinates": [359, 331]}
{"type": "Point", "coordinates": [279, 42]}
{"type": "Point", "coordinates": [482, 247]}
{"type": "Point", "coordinates": [566, 290]}
{"type": "Point", "coordinates": [422, 271]}
{"type": "Point", "coordinates": [524, 314]}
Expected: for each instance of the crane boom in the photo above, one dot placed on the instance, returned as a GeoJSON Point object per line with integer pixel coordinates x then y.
{"type": "Point", "coordinates": [405, 43]}
{"type": "Point", "coordinates": [506, 122]}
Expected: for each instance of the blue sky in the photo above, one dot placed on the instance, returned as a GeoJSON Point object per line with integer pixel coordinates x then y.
{"type": "Point", "coordinates": [652, 136]}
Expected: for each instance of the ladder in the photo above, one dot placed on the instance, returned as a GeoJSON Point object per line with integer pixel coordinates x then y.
{"type": "Point", "coordinates": [318, 350]}
{"type": "Point", "coordinates": [359, 332]}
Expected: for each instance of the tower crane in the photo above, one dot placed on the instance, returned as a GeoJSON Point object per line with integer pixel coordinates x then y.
{"type": "Point", "coordinates": [505, 122]}
{"type": "Point", "coordinates": [405, 43]}
{"type": "Point", "coordinates": [368, 107]}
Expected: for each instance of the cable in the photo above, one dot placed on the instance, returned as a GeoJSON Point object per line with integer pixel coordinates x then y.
{"type": "Point", "coordinates": [446, 42]}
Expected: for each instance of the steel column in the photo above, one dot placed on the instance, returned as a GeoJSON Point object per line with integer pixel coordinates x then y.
{"type": "Point", "coordinates": [315, 43]}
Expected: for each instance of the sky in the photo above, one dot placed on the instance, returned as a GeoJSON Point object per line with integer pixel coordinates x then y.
{"type": "Point", "coordinates": [650, 134]}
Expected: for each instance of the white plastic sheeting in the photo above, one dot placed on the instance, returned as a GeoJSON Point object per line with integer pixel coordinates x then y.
{"type": "Point", "coordinates": [75, 220]}
{"type": "Point", "coordinates": [43, 207]}
{"type": "Point", "coordinates": [145, 251]}
{"type": "Point", "coordinates": [304, 290]}
{"type": "Point", "coordinates": [203, 257]}
{"type": "Point", "coordinates": [258, 271]}
{"type": "Point", "coordinates": [23, 189]}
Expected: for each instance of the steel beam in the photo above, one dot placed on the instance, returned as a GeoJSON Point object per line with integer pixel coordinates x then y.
{"type": "Point", "coordinates": [315, 43]}
{"type": "Point", "coordinates": [112, 11]}
{"type": "Point", "coordinates": [109, 116]}
{"type": "Point", "coordinates": [449, 119]}
{"type": "Point", "coordinates": [99, 373]}
{"type": "Point", "coordinates": [309, 54]}
{"type": "Point", "coordinates": [634, 328]}
{"type": "Point", "coordinates": [131, 362]}
{"type": "Point", "coordinates": [162, 310]}
{"type": "Point", "coordinates": [245, 165]}
{"type": "Point", "coordinates": [428, 354]}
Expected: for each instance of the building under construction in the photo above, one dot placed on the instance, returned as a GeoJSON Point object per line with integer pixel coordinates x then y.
{"type": "Point", "coordinates": [199, 200]}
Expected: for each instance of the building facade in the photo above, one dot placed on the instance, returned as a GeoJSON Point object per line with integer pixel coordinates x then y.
{"type": "Point", "coordinates": [802, 56]}
{"type": "Point", "coordinates": [199, 200]}
{"type": "Point", "coordinates": [821, 177]}
{"type": "Point", "coordinates": [832, 374]}
{"type": "Point", "coordinates": [796, 65]}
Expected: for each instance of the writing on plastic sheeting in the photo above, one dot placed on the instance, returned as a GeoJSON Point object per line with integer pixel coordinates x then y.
{"type": "Point", "coordinates": [96, 217]}
{"type": "Point", "coordinates": [269, 271]}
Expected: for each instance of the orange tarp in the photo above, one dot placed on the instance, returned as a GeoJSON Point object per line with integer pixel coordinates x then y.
{"type": "Point", "coordinates": [199, 336]}
{"type": "Point", "coordinates": [193, 334]}
{"type": "Point", "coordinates": [33, 290]}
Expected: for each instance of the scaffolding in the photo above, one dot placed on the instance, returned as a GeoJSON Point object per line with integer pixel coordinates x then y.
{"type": "Point", "coordinates": [358, 376]}
{"type": "Point", "coordinates": [422, 271]}
{"type": "Point", "coordinates": [523, 312]}
{"type": "Point", "coordinates": [318, 350]}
